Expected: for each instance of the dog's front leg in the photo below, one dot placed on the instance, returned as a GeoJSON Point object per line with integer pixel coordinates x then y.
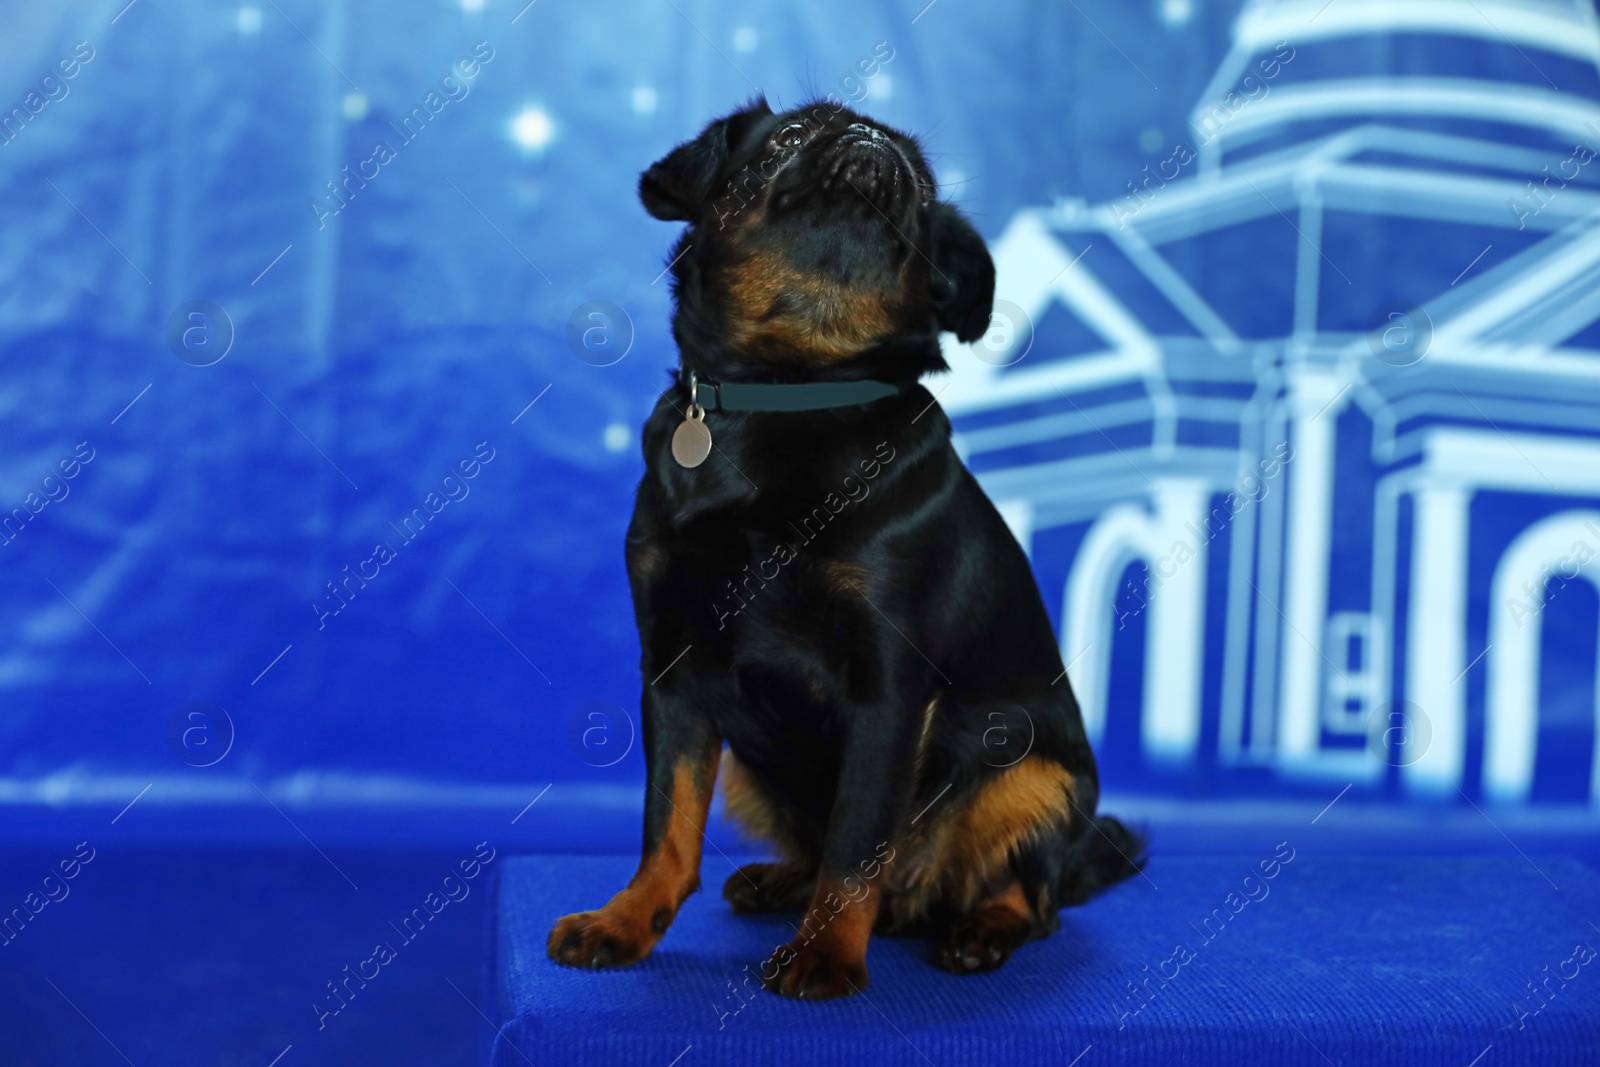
{"type": "Point", "coordinates": [828, 956]}
{"type": "Point", "coordinates": [681, 753]}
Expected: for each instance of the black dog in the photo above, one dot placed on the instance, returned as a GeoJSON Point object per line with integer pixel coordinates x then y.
{"type": "Point", "coordinates": [820, 584]}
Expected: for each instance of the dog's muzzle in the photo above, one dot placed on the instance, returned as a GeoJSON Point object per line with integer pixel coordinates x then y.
{"type": "Point", "coordinates": [864, 161]}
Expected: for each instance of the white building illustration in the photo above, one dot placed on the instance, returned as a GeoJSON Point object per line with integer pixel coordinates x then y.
{"type": "Point", "coordinates": [1361, 294]}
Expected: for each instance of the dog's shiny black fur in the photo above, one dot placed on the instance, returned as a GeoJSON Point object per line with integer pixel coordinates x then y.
{"type": "Point", "coordinates": [831, 595]}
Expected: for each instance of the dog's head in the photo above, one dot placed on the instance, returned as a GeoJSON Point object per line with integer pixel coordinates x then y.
{"type": "Point", "coordinates": [815, 235]}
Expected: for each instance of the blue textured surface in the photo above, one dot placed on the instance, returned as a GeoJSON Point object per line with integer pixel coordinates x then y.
{"type": "Point", "coordinates": [1341, 960]}
{"type": "Point", "coordinates": [220, 957]}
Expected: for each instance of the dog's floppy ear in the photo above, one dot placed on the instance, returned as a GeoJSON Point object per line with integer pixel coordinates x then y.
{"type": "Point", "coordinates": [963, 277]}
{"type": "Point", "coordinates": [676, 186]}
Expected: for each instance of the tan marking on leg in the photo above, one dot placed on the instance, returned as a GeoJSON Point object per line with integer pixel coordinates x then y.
{"type": "Point", "coordinates": [628, 927]}
{"type": "Point", "coordinates": [669, 874]}
{"type": "Point", "coordinates": [1011, 898]}
{"type": "Point", "coordinates": [845, 920]}
{"type": "Point", "coordinates": [828, 956]}
{"type": "Point", "coordinates": [962, 850]}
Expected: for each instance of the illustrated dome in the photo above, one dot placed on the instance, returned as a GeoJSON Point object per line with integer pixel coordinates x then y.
{"type": "Point", "coordinates": [1522, 73]}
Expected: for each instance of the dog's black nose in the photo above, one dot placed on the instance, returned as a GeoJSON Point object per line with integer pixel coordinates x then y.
{"type": "Point", "coordinates": [860, 134]}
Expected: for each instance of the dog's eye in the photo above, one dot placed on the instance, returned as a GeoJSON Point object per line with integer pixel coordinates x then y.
{"type": "Point", "coordinates": [790, 136]}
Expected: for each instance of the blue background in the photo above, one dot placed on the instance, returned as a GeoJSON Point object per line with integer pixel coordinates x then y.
{"type": "Point", "coordinates": [375, 348]}
{"type": "Point", "coordinates": [397, 336]}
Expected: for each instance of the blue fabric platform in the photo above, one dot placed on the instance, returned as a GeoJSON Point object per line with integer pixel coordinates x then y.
{"type": "Point", "coordinates": [1338, 960]}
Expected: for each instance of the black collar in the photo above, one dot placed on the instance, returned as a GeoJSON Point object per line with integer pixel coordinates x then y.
{"type": "Point", "coordinates": [769, 396]}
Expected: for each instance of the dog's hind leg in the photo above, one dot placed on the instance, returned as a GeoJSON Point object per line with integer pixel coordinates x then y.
{"type": "Point", "coordinates": [991, 868]}
{"type": "Point", "coordinates": [1063, 866]}
{"type": "Point", "coordinates": [761, 887]}
{"type": "Point", "coordinates": [984, 938]}
{"type": "Point", "coordinates": [786, 885]}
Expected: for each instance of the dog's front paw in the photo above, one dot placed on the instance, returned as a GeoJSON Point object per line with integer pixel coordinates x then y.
{"type": "Point", "coordinates": [807, 972]}
{"type": "Point", "coordinates": [598, 939]}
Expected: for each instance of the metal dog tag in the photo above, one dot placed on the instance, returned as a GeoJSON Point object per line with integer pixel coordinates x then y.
{"type": "Point", "coordinates": [691, 441]}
